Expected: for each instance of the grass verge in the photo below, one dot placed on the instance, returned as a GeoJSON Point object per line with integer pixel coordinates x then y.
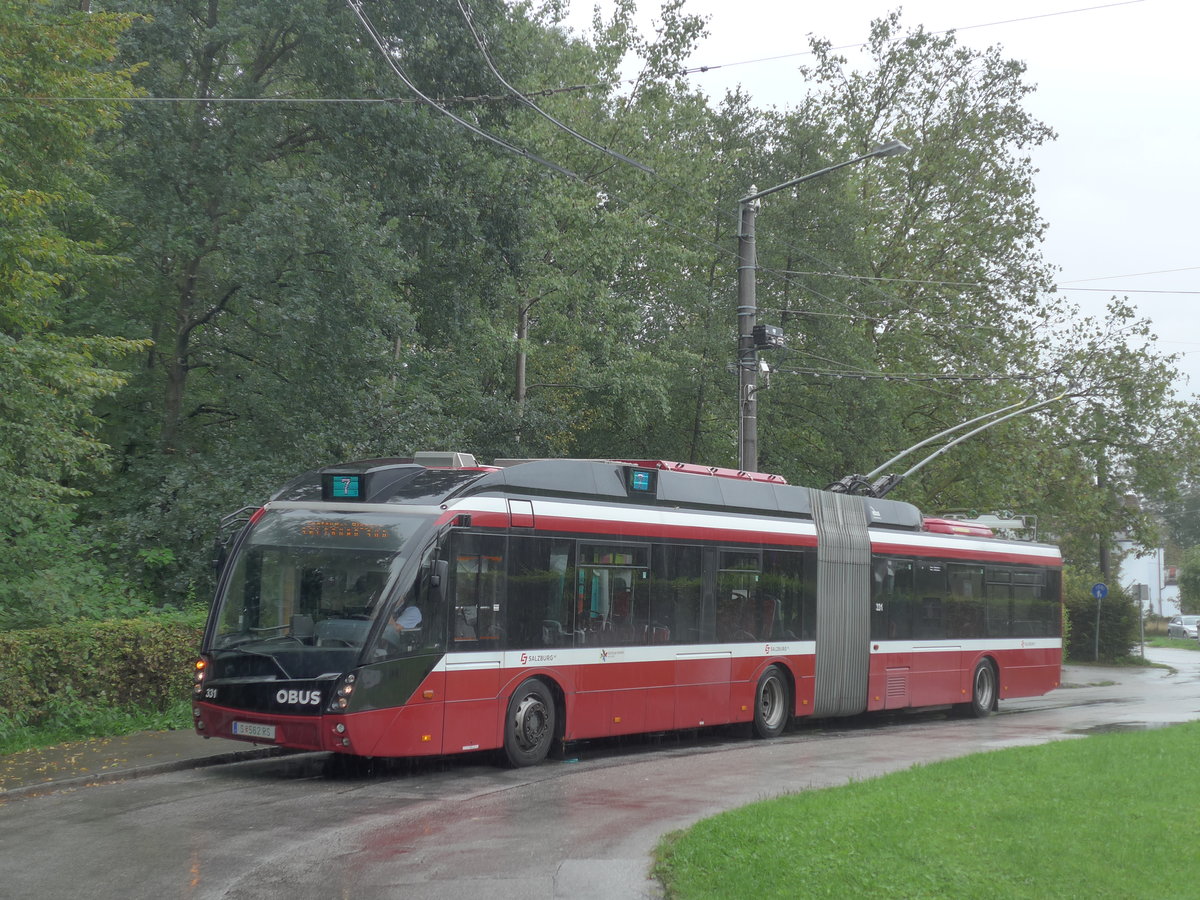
{"type": "Point", "coordinates": [78, 721]}
{"type": "Point", "coordinates": [1173, 643]}
{"type": "Point", "coordinates": [1097, 817]}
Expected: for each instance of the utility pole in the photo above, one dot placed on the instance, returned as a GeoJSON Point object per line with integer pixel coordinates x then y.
{"type": "Point", "coordinates": [747, 353]}
{"type": "Point", "coordinates": [747, 311]}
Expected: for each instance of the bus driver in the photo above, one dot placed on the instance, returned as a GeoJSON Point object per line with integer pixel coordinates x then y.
{"type": "Point", "coordinates": [407, 618]}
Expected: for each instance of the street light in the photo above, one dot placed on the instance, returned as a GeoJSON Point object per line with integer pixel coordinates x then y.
{"type": "Point", "coordinates": [747, 312]}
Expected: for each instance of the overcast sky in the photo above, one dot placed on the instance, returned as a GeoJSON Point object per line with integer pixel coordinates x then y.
{"type": "Point", "coordinates": [1119, 82]}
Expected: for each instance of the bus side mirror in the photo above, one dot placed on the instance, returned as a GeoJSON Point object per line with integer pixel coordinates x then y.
{"type": "Point", "coordinates": [437, 579]}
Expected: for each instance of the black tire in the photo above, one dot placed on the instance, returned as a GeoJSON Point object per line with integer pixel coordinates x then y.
{"type": "Point", "coordinates": [529, 724]}
{"type": "Point", "coordinates": [772, 703]}
{"type": "Point", "coordinates": [984, 691]}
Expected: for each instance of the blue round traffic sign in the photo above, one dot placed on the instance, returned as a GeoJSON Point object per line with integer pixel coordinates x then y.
{"type": "Point", "coordinates": [1099, 590]}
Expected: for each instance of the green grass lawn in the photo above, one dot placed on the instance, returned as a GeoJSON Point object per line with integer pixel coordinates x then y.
{"type": "Point", "coordinates": [1176, 643]}
{"type": "Point", "coordinates": [1106, 816]}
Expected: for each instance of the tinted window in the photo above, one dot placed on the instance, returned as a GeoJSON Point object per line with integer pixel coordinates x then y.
{"type": "Point", "coordinates": [612, 601]}
{"type": "Point", "coordinates": [788, 595]}
{"type": "Point", "coordinates": [892, 599]}
{"type": "Point", "coordinates": [477, 591]}
{"type": "Point", "coordinates": [929, 605]}
{"type": "Point", "coordinates": [540, 592]}
{"type": "Point", "coordinates": [676, 595]}
{"type": "Point", "coordinates": [963, 613]}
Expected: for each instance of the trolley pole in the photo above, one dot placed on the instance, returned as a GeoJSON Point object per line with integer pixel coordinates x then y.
{"type": "Point", "coordinates": [747, 311]}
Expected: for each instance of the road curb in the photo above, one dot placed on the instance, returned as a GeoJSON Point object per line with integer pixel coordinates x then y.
{"type": "Point", "coordinates": [111, 776]}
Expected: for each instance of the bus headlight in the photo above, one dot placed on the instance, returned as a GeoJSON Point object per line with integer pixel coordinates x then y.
{"type": "Point", "coordinates": [341, 694]}
{"type": "Point", "coordinates": [199, 669]}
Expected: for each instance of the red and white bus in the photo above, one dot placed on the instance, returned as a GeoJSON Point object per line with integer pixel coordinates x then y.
{"type": "Point", "coordinates": [393, 608]}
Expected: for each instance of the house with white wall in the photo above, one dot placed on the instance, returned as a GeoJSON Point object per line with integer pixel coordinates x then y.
{"type": "Point", "coordinates": [1151, 579]}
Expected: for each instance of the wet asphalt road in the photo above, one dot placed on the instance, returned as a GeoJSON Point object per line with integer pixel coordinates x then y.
{"type": "Point", "coordinates": [584, 827]}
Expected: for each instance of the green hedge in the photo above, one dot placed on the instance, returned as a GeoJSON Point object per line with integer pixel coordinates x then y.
{"type": "Point", "coordinates": [144, 663]}
{"type": "Point", "coordinates": [1118, 620]}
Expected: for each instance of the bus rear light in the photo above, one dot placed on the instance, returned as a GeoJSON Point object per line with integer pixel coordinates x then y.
{"type": "Point", "coordinates": [198, 670]}
{"type": "Point", "coordinates": [340, 728]}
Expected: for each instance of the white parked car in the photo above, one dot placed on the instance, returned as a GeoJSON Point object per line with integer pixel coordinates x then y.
{"type": "Point", "coordinates": [1183, 627]}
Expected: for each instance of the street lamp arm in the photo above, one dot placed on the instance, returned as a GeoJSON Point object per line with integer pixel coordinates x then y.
{"type": "Point", "coordinates": [891, 148]}
{"type": "Point", "coordinates": [747, 309]}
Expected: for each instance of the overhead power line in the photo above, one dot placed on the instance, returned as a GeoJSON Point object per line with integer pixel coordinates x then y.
{"type": "Point", "coordinates": [467, 17]}
{"type": "Point", "coordinates": [1132, 275]}
{"type": "Point", "coordinates": [1126, 291]}
{"type": "Point", "coordinates": [877, 278]}
{"type": "Point", "coordinates": [356, 8]}
{"type": "Point", "coordinates": [904, 377]}
{"type": "Point", "coordinates": [1065, 12]}
{"type": "Point", "coordinates": [478, 98]}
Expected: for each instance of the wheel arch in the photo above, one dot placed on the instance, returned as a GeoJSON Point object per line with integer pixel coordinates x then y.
{"type": "Point", "coordinates": [553, 684]}
{"type": "Point", "coordinates": [784, 665]}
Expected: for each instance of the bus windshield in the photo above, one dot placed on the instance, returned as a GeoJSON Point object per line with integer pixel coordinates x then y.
{"type": "Point", "coordinates": [312, 577]}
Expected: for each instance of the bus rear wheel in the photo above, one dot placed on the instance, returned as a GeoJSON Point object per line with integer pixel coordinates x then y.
{"type": "Point", "coordinates": [983, 691]}
{"type": "Point", "coordinates": [529, 724]}
{"type": "Point", "coordinates": [772, 702]}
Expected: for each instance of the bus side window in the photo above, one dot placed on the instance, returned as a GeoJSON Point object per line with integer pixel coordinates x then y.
{"type": "Point", "coordinates": [411, 622]}
{"type": "Point", "coordinates": [999, 595]}
{"type": "Point", "coordinates": [540, 578]}
{"type": "Point", "coordinates": [477, 591]}
{"type": "Point", "coordinates": [676, 594]}
{"type": "Point", "coordinates": [737, 595]}
{"type": "Point", "coordinates": [784, 610]}
{"type": "Point", "coordinates": [891, 599]}
{"type": "Point", "coordinates": [964, 613]}
{"type": "Point", "coordinates": [928, 621]}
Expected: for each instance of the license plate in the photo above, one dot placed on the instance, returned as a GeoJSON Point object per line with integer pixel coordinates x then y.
{"type": "Point", "coordinates": [253, 729]}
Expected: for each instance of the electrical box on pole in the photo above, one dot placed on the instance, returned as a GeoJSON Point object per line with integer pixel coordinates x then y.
{"type": "Point", "coordinates": [768, 337]}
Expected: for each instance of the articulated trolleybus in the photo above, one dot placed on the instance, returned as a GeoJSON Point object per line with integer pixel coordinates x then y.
{"type": "Point", "coordinates": [392, 608]}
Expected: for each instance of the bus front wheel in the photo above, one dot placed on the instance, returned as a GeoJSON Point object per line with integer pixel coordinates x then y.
{"type": "Point", "coordinates": [772, 700]}
{"type": "Point", "coordinates": [529, 724]}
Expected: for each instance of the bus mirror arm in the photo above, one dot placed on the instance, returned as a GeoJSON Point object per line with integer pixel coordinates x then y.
{"type": "Point", "coordinates": [220, 552]}
{"type": "Point", "coordinates": [228, 529]}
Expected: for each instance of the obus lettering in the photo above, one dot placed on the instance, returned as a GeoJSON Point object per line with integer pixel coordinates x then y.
{"type": "Point", "coordinates": [298, 698]}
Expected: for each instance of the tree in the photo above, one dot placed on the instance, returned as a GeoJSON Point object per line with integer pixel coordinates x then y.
{"type": "Point", "coordinates": [1189, 581]}
{"type": "Point", "coordinates": [926, 266]}
{"type": "Point", "coordinates": [52, 248]}
{"type": "Point", "coordinates": [935, 306]}
{"type": "Point", "coordinates": [342, 279]}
